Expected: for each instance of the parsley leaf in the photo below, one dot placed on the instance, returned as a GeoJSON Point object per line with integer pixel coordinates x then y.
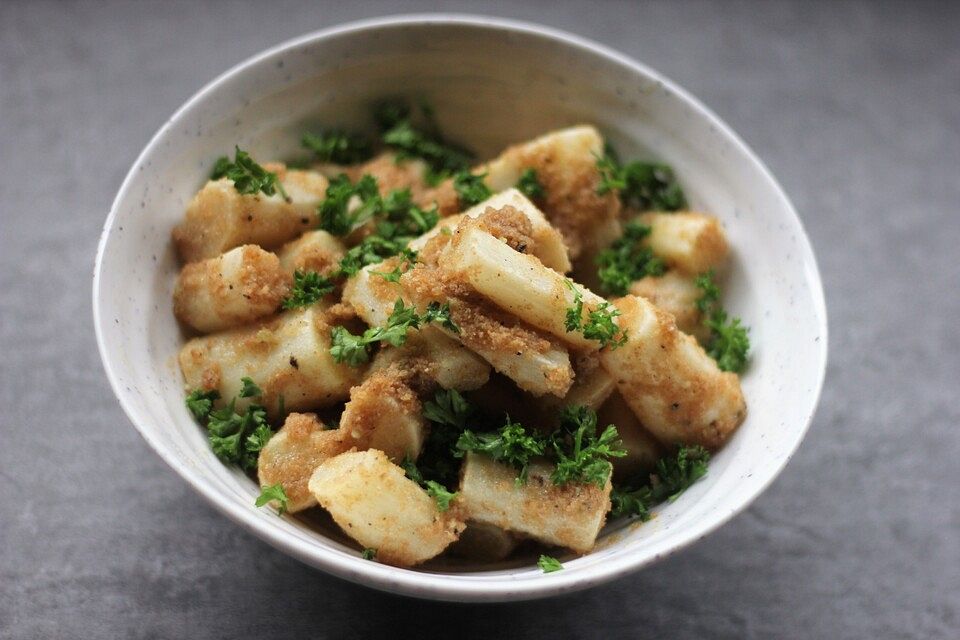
{"type": "Point", "coordinates": [434, 489]}
{"type": "Point", "coordinates": [512, 444]}
{"type": "Point", "coordinates": [394, 118]}
{"type": "Point", "coordinates": [335, 215]}
{"type": "Point", "coordinates": [369, 554]}
{"type": "Point", "coordinates": [355, 350]}
{"type": "Point", "coordinates": [339, 147]}
{"type": "Point", "coordinates": [627, 260]}
{"type": "Point", "coordinates": [271, 493]}
{"type": "Point", "coordinates": [549, 564]}
{"type": "Point", "coordinates": [200, 402]}
{"type": "Point", "coordinates": [248, 176]}
{"type": "Point", "coordinates": [448, 407]}
{"type": "Point", "coordinates": [234, 437]}
{"type": "Point", "coordinates": [529, 185]}
{"type": "Point", "coordinates": [581, 454]}
{"type": "Point", "coordinates": [470, 188]}
{"type": "Point", "coordinates": [309, 287]}
{"type": "Point", "coordinates": [250, 388]}
{"type": "Point", "coordinates": [729, 343]}
{"type": "Point", "coordinates": [440, 313]}
{"type": "Point", "coordinates": [673, 475]}
{"type": "Point", "coordinates": [599, 325]}
{"type": "Point", "coordinates": [641, 185]}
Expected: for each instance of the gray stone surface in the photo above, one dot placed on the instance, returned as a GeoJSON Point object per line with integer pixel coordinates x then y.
{"type": "Point", "coordinates": [856, 108]}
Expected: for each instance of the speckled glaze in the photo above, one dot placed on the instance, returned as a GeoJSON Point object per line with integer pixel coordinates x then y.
{"type": "Point", "coordinates": [493, 82]}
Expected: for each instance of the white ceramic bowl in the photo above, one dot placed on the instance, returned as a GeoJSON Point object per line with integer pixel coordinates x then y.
{"type": "Point", "coordinates": [493, 82]}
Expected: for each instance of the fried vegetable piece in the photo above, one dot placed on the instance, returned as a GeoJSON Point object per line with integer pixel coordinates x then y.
{"type": "Point", "coordinates": [483, 543]}
{"type": "Point", "coordinates": [441, 357]}
{"type": "Point", "coordinates": [565, 162]}
{"type": "Point", "coordinates": [535, 363]}
{"type": "Point", "coordinates": [569, 515]}
{"type": "Point", "coordinates": [643, 450]}
{"type": "Point", "coordinates": [687, 241]}
{"type": "Point", "coordinates": [291, 455]}
{"type": "Point", "coordinates": [316, 251]}
{"type": "Point", "coordinates": [219, 218]}
{"type": "Point", "coordinates": [384, 413]}
{"type": "Point", "coordinates": [547, 245]}
{"type": "Point", "coordinates": [674, 388]}
{"type": "Point", "coordinates": [237, 288]}
{"type": "Point", "coordinates": [517, 283]}
{"type": "Point", "coordinates": [378, 506]}
{"type": "Point", "coordinates": [677, 294]}
{"type": "Point", "coordinates": [287, 356]}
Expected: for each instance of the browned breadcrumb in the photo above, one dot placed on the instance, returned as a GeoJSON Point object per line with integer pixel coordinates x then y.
{"type": "Point", "coordinates": [506, 224]}
{"type": "Point", "coordinates": [691, 394]}
{"type": "Point", "coordinates": [444, 196]}
{"type": "Point", "coordinates": [572, 203]}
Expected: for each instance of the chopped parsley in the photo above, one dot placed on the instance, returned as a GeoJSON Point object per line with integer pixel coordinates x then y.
{"type": "Point", "coordinates": [200, 402]}
{"type": "Point", "coordinates": [581, 455]}
{"type": "Point", "coordinates": [470, 188]}
{"type": "Point", "coordinates": [627, 260]}
{"type": "Point", "coordinates": [355, 350]}
{"type": "Point", "coordinates": [335, 215]}
{"type": "Point", "coordinates": [339, 147]}
{"type": "Point", "coordinates": [578, 453]}
{"type": "Point", "coordinates": [512, 445]}
{"type": "Point", "coordinates": [449, 413]}
{"type": "Point", "coordinates": [409, 141]}
{"type": "Point", "coordinates": [309, 287]}
{"type": "Point", "coordinates": [641, 185]}
{"type": "Point", "coordinates": [673, 475]}
{"type": "Point", "coordinates": [529, 185]}
{"type": "Point", "coordinates": [440, 494]}
{"type": "Point", "coordinates": [369, 554]}
{"type": "Point", "coordinates": [235, 438]}
{"type": "Point", "coordinates": [549, 564]}
{"type": "Point", "coordinates": [272, 493]}
{"type": "Point", "coordinates": [249, 388]}
{"type": "Point", "coordinates": [248, 176]}
{"type": "Point", "coordinates": [599, 325]}
{"type": "Point", "coordinates": [729, 343]}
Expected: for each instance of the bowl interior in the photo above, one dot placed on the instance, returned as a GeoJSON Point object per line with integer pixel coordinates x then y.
{"type": "Point", "coordinates": [492, 83]}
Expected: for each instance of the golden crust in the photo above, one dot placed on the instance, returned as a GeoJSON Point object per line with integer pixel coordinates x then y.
{"type": "Point", "coordinates": [294, 452]}
{"type": "Point", "coordinates": [572, 203]}
{"type": "Point", "coordinates": [674, 388]}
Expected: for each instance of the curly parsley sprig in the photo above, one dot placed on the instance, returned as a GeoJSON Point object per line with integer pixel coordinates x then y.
{"type": "Point", "coordinates": [672, 476]}
{"type": "Point", "coordinates": [337, 146]}
{"type": "Point", "coordinates": [234, 437]}
{"type": "Point", "coordinates": [729, 343]}
{"type": "Point", "coordinates": [355, 350]}
{"type": "Point", "coordinates": [641, 185]}
{"type": "Point", "coordinates": [248, 176]}
{"type": "Point", "coordinates": [627, 260]}
{"type": "Point", "coordinates": [599, 326]}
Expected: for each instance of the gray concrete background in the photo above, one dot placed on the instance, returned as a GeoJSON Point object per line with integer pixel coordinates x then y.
{"type": "Point", "coordinates": [854, 106]}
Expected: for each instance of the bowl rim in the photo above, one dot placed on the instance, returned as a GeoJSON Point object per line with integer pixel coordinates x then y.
{"type": "Point", "coordinates": [446, 586]}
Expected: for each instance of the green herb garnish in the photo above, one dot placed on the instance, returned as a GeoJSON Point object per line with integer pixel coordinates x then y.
{"type": "Point", "coordinates": [641, 185]}
{"type": "Point", "coordinates": [582, 455]}
{"type": "Point", "coordinates": [529, 185]}
{"type": "Point", "coordinates": [673, 475]}
{"type": "Point", "coordinates": [248, 176]}
{"type": "Point", "coordinates": [549, 564]}
{"type": "Point", "coordinates": [355, 350]}
{"type": "Point", "coordinates": [309, 287]}
{"type": "Point", "coordinates": [470, 188]}
{"type": "Point", "coordinates": [512, 445]}
{"type": "Point", "coordinates": [599, 326]}
{"type": "Point", "coordinates": [339, 147]}
{"type": "Point", "coordinates": [272, 493]}
{"type": "Point", "coordinates": [729, 343]}
{"type": "Point", "coordinates": [627, 260]}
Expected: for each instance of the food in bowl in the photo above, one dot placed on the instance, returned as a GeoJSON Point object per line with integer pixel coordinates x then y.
{"type": "Point", "coordinates": [458, 358]}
